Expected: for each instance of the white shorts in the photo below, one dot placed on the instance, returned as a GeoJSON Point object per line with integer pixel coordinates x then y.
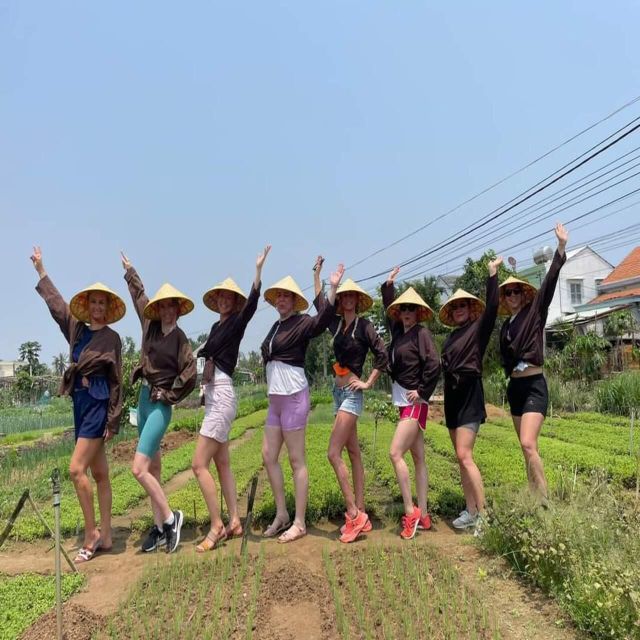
{"type": "Point", "coordinates": [220, 406]}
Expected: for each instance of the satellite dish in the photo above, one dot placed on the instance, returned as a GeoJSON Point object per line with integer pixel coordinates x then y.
{"type": "Point", "coordinates": [512, 262]}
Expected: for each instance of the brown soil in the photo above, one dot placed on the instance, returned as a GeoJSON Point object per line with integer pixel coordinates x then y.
{"type": "Point", "coordinates": [496, 412]}
{"type": "Point", "coordinates": [124, 451]}
{"type": "Point", "coordinates": [294, 602]}
{"type": "Point", "coordinates": [78, 623]}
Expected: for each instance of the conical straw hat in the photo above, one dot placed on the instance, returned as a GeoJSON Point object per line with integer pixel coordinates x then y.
{"type": "Point", "coordinates": [365, 301]}
{"type": "Point", "coordinates": [528, 294]}
{"type": "Point", "coordinates": [167, 292]}
{"type": "Point", "coordinates": [287, 284]}
{"type": "Point", "coordinates": [476, 307]}
{"type": "Point", "coordinates": [210, 298]}
{"type": "Point", "coordinates": [410, 296]}
{"type": "Point", "coordinates": [79, 304]}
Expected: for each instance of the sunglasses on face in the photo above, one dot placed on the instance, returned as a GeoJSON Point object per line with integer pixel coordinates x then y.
{"type": "Point", "coordinates": [512, 292]}
{"type": "Point", "coordinates": [407, 307]}
{"type": "Point", "coordinates": [458, 305]}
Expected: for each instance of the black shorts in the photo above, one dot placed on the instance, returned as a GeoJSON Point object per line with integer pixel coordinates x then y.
{"type": "Point", "coordinates": [463, 401]}
{"type": "Point", "coordinates": [528, 395]}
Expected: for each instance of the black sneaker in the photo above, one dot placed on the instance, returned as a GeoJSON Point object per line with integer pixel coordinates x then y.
{"type": "Point", "coordinates": [172, 531]}
{"type": "Point", "coordinates": [155, 538]}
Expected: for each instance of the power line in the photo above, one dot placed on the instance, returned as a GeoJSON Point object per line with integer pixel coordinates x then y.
{"type": "Point", "coordinates": [498, 183]}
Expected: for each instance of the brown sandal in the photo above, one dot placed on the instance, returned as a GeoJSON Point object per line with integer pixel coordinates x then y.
{"type": "Point", "coordinates": [293, 533]}
{"type": "Point", "coordinates": [233, 532]}
{"type": "Point", "coordinates": [275, 528]}
{"type": "Point", "coordinates": [211, 542]}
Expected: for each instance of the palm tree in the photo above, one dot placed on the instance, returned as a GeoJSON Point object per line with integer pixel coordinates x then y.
{"type": "Point", "coordinates": [29, 352]}
{"type": "Point", "coordinates": [60, 363]}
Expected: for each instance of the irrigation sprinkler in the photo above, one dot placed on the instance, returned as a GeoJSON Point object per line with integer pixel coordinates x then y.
{"type": "Point", "coordinates": [55, 481]}
{"type": "Point", "coordinates": [247, 522]}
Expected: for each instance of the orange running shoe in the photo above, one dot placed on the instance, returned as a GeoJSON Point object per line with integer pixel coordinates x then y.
{"type": "Point", "coordinates": [354, 526]}
{"type": "Point", "coordinates": [410, 524]}
{"type": "Point", "coordinates": [367, 527]}
{"type": "Point", "coordinates": [425, 522]}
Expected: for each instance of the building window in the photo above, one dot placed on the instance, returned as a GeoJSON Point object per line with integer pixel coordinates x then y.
{"type": "Point", "coordinates": [575, 286]}
{"type": "Point", "coordinates": [598, 282]}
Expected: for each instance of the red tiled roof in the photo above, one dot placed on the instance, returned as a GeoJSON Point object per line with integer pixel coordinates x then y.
{"type": "Point", "coordinates": [628, 268]}
{"type": "Point", "coordinates": [614, 295]}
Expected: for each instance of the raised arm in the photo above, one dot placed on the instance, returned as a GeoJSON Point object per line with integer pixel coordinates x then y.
{"type": "Point", "coordinates": [58, 308]}
{"type": "Point", "coordinates": [250, 306]}
{"type": "Point", "coordinates": [325, 306]}
{"type": "Point", "coordinates": [548, 287]}
{"type": "Point", "coordinates": [317, 282]}
{"type": "Point", "coordinates": [488, 318]}
{"type": "Point", "coordinates": [389, 288]}
{"type": "Point", "coordinates": [136, 288]}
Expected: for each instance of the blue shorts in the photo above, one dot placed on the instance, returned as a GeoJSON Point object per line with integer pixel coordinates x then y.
{"type": "Point", "coordinates": [346, 400]}
{"type": "Point", "coordinates": [89, 414]}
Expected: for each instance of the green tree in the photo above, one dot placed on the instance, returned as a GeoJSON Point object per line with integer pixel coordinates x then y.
{"type": "Point", "coordinates": [427, 289]}
{"type": "Point", "coordinates": [29, 352]}
{"type": "Point", "coordinates": [474, 275]}
{"type": "Point", "coordinates": [60, 363]}
{"type": "Point", "coordinates": [202, 338]}
{"type": "Point", "coordinates": [252, 362]}
{"type": "Point", "coordinates": [617, 325]}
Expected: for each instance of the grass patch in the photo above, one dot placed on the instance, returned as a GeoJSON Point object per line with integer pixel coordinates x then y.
{"type": "Point", "coordinates": [583, 551]}
{"type": "Point", "coordinates": [408, 593]}
{"type": "Point", "coordinates": [214, 597]}
{"type": "Point", "coordinates": [24, 598]}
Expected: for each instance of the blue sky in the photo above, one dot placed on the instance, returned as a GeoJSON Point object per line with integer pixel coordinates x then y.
{"type": "Point", "coordinates": [192, 135]}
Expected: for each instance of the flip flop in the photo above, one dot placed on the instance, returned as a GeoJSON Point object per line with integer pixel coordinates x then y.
{"type": "Point", "coordinates": [211, 542]}
{"type": "Point", "coordinates": [274, 529]}
{"type": "Point", "coordinates": [291, 536]}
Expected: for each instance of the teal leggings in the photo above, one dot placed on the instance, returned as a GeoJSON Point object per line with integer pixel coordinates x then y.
{"type": "Point", "coordinates": [153, 420]}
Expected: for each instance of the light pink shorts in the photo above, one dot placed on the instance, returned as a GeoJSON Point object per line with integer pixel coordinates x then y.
{"type": "Point", "coordinates": [220, 406]}
{"type": "Point", "coordinates": [289, 412]}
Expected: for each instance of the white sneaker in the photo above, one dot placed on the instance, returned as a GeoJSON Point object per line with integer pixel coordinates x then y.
{"type": "Point", "coordinates": [465, 520]}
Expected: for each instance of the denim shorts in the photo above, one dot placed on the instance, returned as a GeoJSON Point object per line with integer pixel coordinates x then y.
{"type": "Point", "coordinates": [346, 400]}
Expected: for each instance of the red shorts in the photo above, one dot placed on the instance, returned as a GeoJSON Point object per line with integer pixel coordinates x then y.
{"type": "Point", "coordinates": [417, 412]}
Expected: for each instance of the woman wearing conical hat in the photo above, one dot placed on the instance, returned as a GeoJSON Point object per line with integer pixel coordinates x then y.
{"type": "Point", "coordinates": [93, 380]}
{"type": "Point", "coordinates": [464, 410]}
{"type": "Point", "coordinates": [353, 337]}
{"type": "Point", "coordinates": [415, 369]}
{"type": "Point", "coordinates": [221, 355]}
{"type": "Point", "coordinates": [283, 352]}
{"type": "Point", "coordinates": [167, 369]}
{"type": "Point", "coordinates": [522, 351]}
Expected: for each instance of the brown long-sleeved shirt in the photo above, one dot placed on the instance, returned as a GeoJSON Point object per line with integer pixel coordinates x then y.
{"type": "Point", "coordinates": [101, 357]}
{"type": "Point", "coordinates": [223, 343]}
{"type": "Point", "coordinates": [352, 343]}
{"type": "Point", "coordinates": [166, 362]}
{"type": "Point", "coordinates": [287, 340]}
{"type": "Point", "coordinates": [464, 348]}
{"type": "Point", "coordinates": [413, 359]}
{"type": "Point", "coordinates": [522, 337]}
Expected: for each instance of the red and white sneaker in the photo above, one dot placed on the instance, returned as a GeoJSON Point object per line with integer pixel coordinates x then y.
{"type": "Point", "coordinates": [425, 522]}
{"type": "Point", "coordinates": [410, 524]}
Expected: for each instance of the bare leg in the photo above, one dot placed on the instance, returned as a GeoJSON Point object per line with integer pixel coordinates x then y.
{"type": "Point", "coordinates": [228, 483]}
{"type": "Point", "coordinates": [422, 478]}
{"type": "Point", "coordinates": [206, 448]}
{"type": "Point", "coordinates": [357, 468]}
{"type": "Point", "coordinates": [271, 445]}
{"type": "Point", "coordinates": [343, 428]}
{"type": "Point", "coordinates": [141, 471]}
{"type": "Point", "coordinates": [295, 441]}
{"type": "Point", "coordinates": [100, 472]}
{"type": "Point", "coordinates": [463, 441]}
{"type": "Point", "coordinates": [83, 455]}
{"type": "Point", "coordinates": [528, 428]}
{"type": "Point", "coordinates": [403, 439]}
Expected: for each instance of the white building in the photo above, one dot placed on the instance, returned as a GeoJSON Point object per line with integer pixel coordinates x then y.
{"type": "Point", "coordinates": [9, 368]}
{"type": "Point", "coordinates": [578, 283]}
